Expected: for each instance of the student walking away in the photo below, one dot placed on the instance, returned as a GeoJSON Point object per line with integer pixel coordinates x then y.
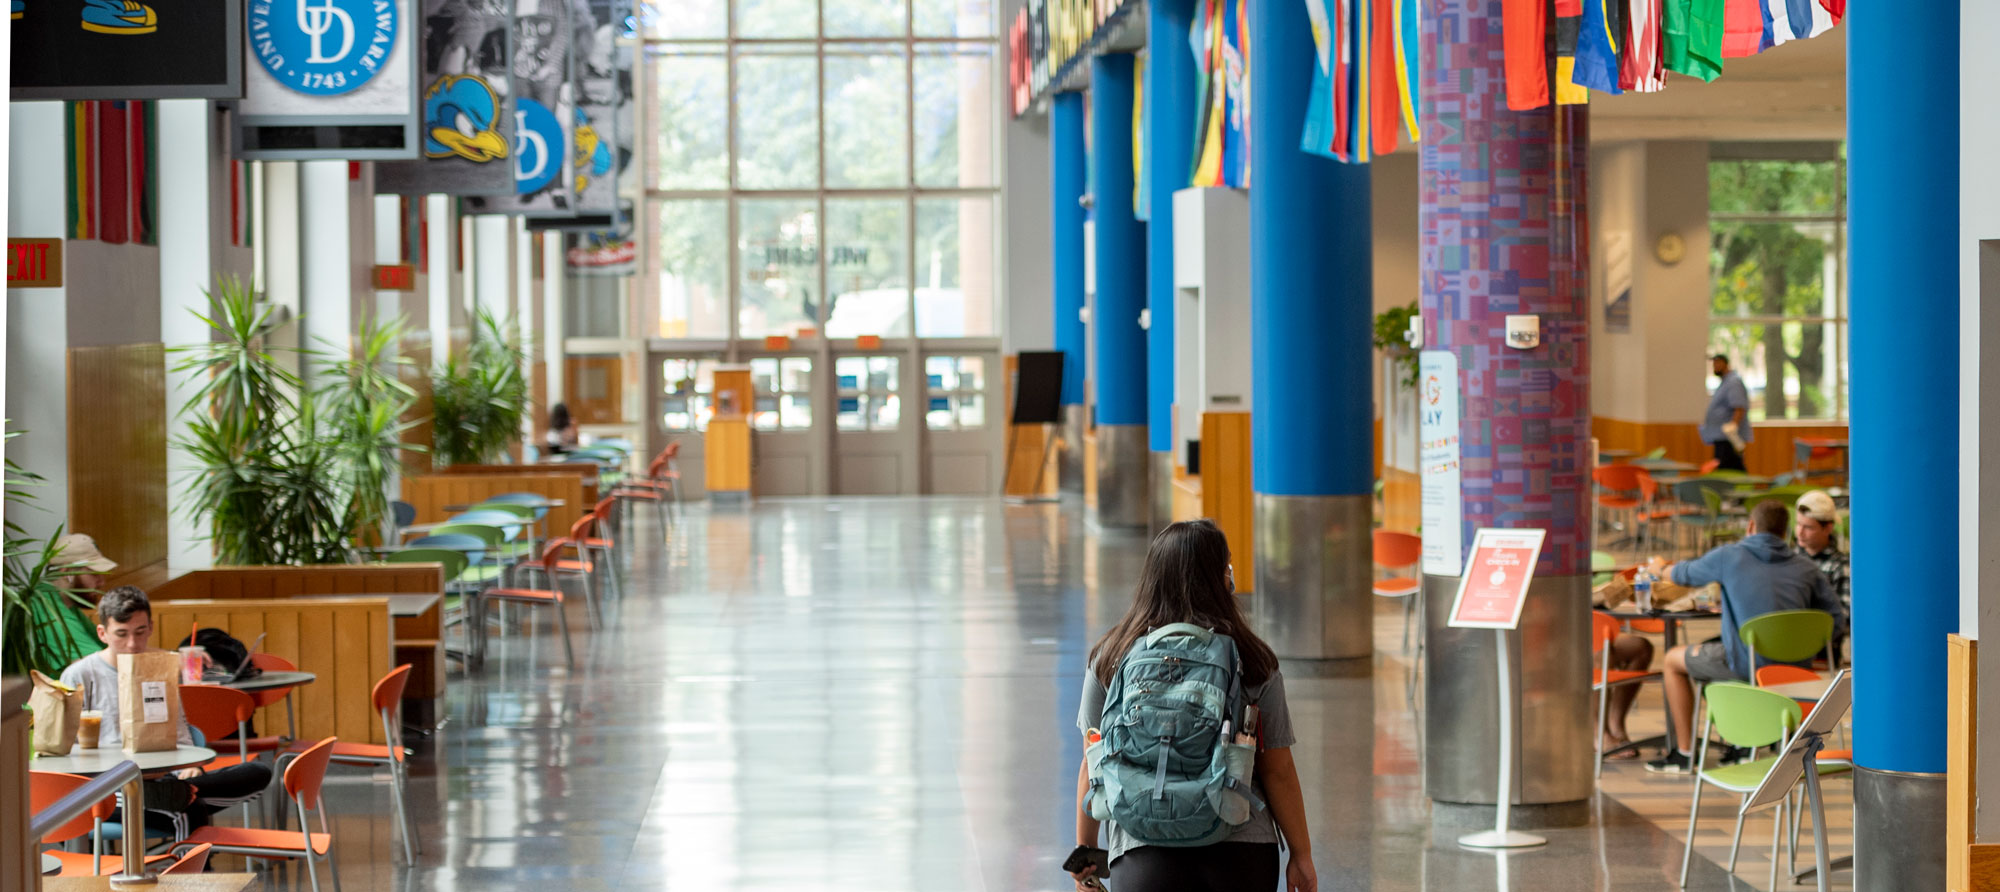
{"type": "Point", "coordinates": [173, 805]}
{"type": "Point", "coordinates": [1187, 766]}
{"type": "Point", "coordinates": [1726, 424]}
{"type": "Point", "coordinates": [1760, 574]}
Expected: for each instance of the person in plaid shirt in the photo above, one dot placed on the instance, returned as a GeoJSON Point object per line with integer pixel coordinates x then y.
{"type": "Point", "coordinates": [1814, 531]}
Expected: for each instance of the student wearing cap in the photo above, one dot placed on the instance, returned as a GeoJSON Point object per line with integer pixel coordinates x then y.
{"type": "Point", "coordinates": [78, 561]}
{"type": "Point", "coordinates": [1814, 530]}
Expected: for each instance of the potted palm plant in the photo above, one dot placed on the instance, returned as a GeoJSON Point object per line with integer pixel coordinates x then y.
{"type": "Point", "coordinates": [478, 404]}
{"type": "Point", "coordinates": [40, 624]}
{"type": "Point", "coordinates": [364, 404]}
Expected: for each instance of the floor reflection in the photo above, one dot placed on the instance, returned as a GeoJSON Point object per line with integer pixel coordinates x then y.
{"type": "Point", "coordinates": [876, 695]}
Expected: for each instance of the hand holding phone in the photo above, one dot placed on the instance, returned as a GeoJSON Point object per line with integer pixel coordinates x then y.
{"type": "Point", "coordinates": [1088, 865]}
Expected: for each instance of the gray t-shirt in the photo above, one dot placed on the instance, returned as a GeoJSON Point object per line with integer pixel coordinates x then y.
{"type": "Point", "coordinates": [100, 677]}
{"type": "Point", "coordinates": [1275, 732]}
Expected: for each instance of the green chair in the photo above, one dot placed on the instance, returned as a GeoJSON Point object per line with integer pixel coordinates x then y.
{"type": "Point", "coordinates": [1704, 493]}
{"type": "Point", "coordinates": [454, 561]}
{"type": "Point", "coordinates": [1657, 452]}
{"type": "Point", "coordinates": [1752, 717]}
{"type": "Point", "coordinates": [500, 553]}
{"type": "Point", "coordinates": [1788, 636]}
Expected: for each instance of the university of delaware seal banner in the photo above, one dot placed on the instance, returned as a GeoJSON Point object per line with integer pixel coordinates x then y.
{"type": "Point", "coordinates": [466, 127]}
{"type": "Point", "coordinates": [544, 150]}
{"type": "Point", "coordinates": [330, 79]}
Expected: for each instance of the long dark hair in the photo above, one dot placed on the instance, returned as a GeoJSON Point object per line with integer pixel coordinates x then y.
{"type": "Point", "coordinates": [559, 417]}
{"type": "Point", "coordinates": [1185, 580]}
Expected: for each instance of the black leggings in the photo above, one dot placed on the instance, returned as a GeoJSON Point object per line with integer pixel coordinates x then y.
{"type": "Point", "coordinates": [1223, 867]}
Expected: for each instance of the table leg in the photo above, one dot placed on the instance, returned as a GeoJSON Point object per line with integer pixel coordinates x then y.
{"type": "Point", "coordinates": [1671, 639]}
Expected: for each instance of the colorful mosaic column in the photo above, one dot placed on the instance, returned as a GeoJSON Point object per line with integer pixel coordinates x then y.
{"type": "Point", "coordinates": [1119, 344]}
{"type": "Point", "coordinates": [1311, 280]}
{"type": "Point", "coordinates": [1066, 165]}
{"type": "Point", "coordinates": [1903, 213]}
{"type": "Point", "coordinates": [1169, 122]}
{"type": "Point", "coordinates": [1504, 233]}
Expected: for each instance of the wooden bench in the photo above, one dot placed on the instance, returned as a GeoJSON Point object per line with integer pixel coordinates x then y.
{"type": "Point", "coordinates": [586, 472]}
{"type": "Point", "coordinates": [418, 638]}
{"type": "Point", "coordinates": [344, 640]}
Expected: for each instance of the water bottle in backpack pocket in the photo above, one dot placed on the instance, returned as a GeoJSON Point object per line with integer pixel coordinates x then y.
{"type": "Point", "coordinates": [1164, 771]}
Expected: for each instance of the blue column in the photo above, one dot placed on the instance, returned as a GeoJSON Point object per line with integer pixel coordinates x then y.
{"type": "Point", "coordinates": [1120, 244]}
{"type": "Point", "coordinates": [1066, 166]}
{"type": "Point", "coordinates": [1310, 317]}
{"type": "Point", "coordinates": [1119, 344]}
{"type": "Point", "coordinates": [1903, 421]}
{"type": "Point", "coordinates": [1169, 135]}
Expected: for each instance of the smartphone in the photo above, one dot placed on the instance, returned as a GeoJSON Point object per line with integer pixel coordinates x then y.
{"type": "Point", "coordinates": [1086, 856]}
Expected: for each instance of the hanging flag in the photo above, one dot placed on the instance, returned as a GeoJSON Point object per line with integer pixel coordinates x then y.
{"type": "Point", "coordinates": [1835, 8]}
{"type": "Point", "coordinates": [1142, 205]}
{"type": "Point", "coordinates": [1567, 27]}
{"type": "Point", "coordinates": [1387, 103]}
{"type": "Point", "coordinates": [1316, 137]}
{"type": "Point", "coordinates": [1524, 35]}
{"type": "Point", "coordinates": [1236, 96]}
{"type": "Point", "coordinates": [1358, 149]}
{"type": "Point", "coordinates": [1691, 37]}
{"type": "Point", "coordinates": [1640, 65]}
{"type": "Point", "coordinates": [1597, 45]}
{"type": "Point", "coordinates": [1742, 28]}
{"type": "Point", "coordinates": [1408, 54]}
{"type": "Point", "coordinates": [1208, 145]}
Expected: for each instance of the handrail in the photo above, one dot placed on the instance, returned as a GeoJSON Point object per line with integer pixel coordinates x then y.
{"type": "Point", "coordinates": [124, 775]}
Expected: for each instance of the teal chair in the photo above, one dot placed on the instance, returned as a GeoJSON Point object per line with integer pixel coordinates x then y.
{"type": "Point", "coordinates": [1705, 495]}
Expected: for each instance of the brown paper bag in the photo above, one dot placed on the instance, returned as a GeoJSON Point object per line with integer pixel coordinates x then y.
{"type": "Point", "coordinates": [58, 710]}
{"type": "Point", "coordinates": [149, 701]}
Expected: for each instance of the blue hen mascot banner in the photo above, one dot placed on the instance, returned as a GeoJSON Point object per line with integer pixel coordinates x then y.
{"type": "Point", "coordinates": [466, 124]}
{"type": "Point", "coordinates": [545, 112]}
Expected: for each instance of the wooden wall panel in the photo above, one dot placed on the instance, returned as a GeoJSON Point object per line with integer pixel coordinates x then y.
{"type": "Point", "coordinates": [18, 864]}
{"type": "Point", "coordinates": [1770, 451]}
{"type": "Point", "coordinates": [281, 582]}
{"type": "Point", "coordinates": [1961, 796]}
{"type": "Point", "coordinates": [581, 472]}
{"type": "Point", "coordinates": [1029, 458]}
{"type": "Point", "coordinates": [344, 641]}
{"type": "Point", "coordinates": [726, 455]}
{"type": "Point", "coordinates": [1402, 497]}
{"type": "Point", "coordinates": [431, 493]}
{"type": "Point", "coordinates": [593, 386]}
{"type": "Point", "coordinates": [117, 399]}
{"type": "Point", "coordinates": [1226, 487]}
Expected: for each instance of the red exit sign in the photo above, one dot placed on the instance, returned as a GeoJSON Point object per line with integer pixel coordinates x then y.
{"type": "Point", "coordinates": [395, 277]}
{"type": "Point", "coordinates": [34, 263]}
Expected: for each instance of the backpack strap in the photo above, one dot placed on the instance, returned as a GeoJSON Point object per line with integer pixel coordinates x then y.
{"type": "Point", "coordinates": [1244, 790]}
{"type": "Point", "coordinates": [1154, 637]}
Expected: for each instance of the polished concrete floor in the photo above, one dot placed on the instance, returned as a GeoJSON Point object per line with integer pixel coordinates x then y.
{"type": "Point", "coordinates": [879, 695]}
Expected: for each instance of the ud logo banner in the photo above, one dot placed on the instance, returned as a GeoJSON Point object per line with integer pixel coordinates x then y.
{"type": "Point", "coordinates": [333, 79]}
{"type": "Point", "coordinates": [323, 47]}
{"type": "Point", "coordinates": [545, 116]}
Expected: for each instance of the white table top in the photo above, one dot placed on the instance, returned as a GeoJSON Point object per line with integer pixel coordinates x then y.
{"type": "Point", "coordinates": [90, 763]}
{"type": "Point", "coordinates": [1801, 690]}
{"type": "Point", "coordinates": [51, 865]}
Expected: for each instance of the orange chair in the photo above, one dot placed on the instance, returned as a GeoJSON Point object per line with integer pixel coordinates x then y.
{"type": "Point", "coordinates": [1603, 631]}
{"type": "Point", "coordinates": [1710, 465]}
{"type": "Point", "coordinates": [1394, 551]}
{"type": "Point", "coordinates": [302, 783]}
{"type": "Point", "coordinates": [589, 571]}
{"type": "Point", "coordinates": [1619, 491]}
{"type": "Point", "coordinates": [1782, 674]}
{"type": "Point", "coordinates": [195, 861]}
{"type": "Point", "coordinates": [660, 484]}
{"type": "Point", "coordinates": [221, 712]}
{"type": "Point", "coordinates": [551, 596]}
{"type": "Point", "coordinates": [268, 696]}
{"type": "Point", "coordinates": [387, 699]}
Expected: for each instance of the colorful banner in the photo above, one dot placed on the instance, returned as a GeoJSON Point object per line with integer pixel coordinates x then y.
{"type": "Point", "coordinates": [604, 104]}
{"type": "Point", "coordinates": [544, 116]}
{"type": "Point", "coordinates": [467, 129]}
{"type": "Point", "coordinates": [127, 49]}
{"type": "Point", "coordinates": [330, 79]}
{"type": "Point", "coordinates": [1222, 123]}
{"type": "Point", "coordinates": [601, 253]}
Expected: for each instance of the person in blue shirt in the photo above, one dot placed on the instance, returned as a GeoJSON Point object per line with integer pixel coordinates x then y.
{"type": "Point", "coordinates": [1728, 412]}
{"type": "Point", "coordinates": [1760, 574]}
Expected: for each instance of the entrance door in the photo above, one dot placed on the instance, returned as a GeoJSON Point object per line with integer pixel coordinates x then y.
{"type": "Point", "coordinates": [874, 451]}
{"type": "Point", "coordinates": [685, 401]}
{"type": "Point", "coordinates": [961, 426]}
{"type": "Point", "coordinates": [782, 446]}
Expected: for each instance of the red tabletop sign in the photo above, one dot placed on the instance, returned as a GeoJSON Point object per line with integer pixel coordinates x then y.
{"type": "Point", "coordinates": [1495, 584]}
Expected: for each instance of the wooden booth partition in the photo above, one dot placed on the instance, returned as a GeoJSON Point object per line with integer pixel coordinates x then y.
{"type": "Point", "coordinates": [586, 473]}
{"type": "Point", "coordinates": [430, 494]}
{"type": "Point", "coordinates": [18, 864]}
{"type": "Point", "coordinates": [117, 399]}
{"type": "Point", "coordinates": [342, 640]}
{"type": "Point", "coordinates": [1769, 451]}
{"type": "Point", "coordinates": [418, 640]}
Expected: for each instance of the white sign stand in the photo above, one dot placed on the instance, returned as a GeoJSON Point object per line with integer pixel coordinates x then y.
{"type": "Point", "coordinates": [1525, 547]}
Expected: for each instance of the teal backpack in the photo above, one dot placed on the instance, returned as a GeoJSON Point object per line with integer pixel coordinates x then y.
{"type": "Point", "coordinates": [1162, 770]}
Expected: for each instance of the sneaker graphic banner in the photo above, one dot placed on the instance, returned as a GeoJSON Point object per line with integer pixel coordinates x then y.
{"type": "Point", "coordinates": [126, 49]}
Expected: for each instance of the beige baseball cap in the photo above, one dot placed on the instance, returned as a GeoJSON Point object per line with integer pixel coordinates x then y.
{"type": "Point", "coordinates": [77, 548]}
{"type": "Point", "coordinates": [1818, 506]}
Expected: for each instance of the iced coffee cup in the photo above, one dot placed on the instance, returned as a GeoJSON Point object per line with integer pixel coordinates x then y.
{"type": "Point", "coordinates": [88, 728]}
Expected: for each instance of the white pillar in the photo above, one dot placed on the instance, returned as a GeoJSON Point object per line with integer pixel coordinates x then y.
{"type": "Point", "coordinates": [281, 262]}
{"type": "Point", "coordinates": [442, 213]}
{"type": "Point", "coordinates": [186, 275]}
{"type": "Point", "coordinates": [37, 318]}
{"type": "Point", "coordinates": [554, 274]}
{"type": "Point", "coordinates": [493, 264]}
{"type": "Point", "coordinates": [326, 278]}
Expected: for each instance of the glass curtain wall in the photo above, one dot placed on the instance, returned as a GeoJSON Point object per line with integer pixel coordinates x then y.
{"type": "Point", "coordinates": [823, 166]}
{"type": "Point", "coordinates": [1778, 262]}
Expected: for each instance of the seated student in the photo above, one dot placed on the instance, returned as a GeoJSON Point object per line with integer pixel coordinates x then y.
{"type": "Point", "coordinates": [80, 566]}
{"type": "Point", "coordinates": [562, 436]}
{"type": "Point", "coordinates": [125, 624]}
{"type": "Point", "coordinates": [1759, 574]}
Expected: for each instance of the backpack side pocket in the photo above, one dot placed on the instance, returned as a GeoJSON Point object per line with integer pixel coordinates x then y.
{"type": "Point", "coordinates": [1231, 796]}
{"type": "Point", "coordinates": [1104, 786]}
